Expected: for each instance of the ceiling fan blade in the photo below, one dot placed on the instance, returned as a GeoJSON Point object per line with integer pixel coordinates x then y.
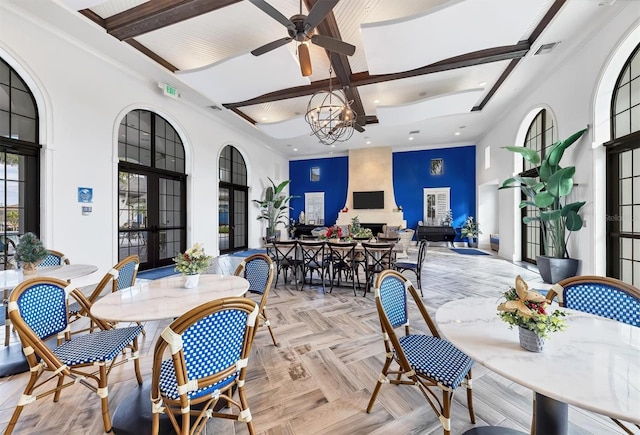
{"type": "Point", "coordinates": [274, 13]}
{"type": "Point", "coordinates": [270, 46]}
{"type": "Point", "coordinates": [358, 127]}
{"type": "Point", "coordinates": [333, 44]}
{"type": "Point", "coordinates": [318, 12]}
{"type": "Point", "coordinates": [305, 60]}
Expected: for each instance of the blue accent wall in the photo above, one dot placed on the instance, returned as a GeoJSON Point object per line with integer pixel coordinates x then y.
{"type": "Point", "coordinates": [411, 174]}
{"type": "Point", "coordinates": [333, 181]}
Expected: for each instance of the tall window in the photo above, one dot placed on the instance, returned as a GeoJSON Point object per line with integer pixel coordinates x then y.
{"type": "Point", "coordinates": [233, 194]}
{"type": "Point", "coordinates": [151, 189]}
{"type": "Point", "coordinates": [541, 135]}
{"type": "Point", "coordinates": [623, 176]}
{"type": "Point", "coordinates": [19, 161]}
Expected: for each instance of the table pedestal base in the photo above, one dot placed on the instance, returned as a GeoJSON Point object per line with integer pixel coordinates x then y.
{"type": "Point", "coordinates": [552, 416]}
{"type": "Point", "coordinates": [133, 415]}
{"type": "Point", "coordinates": [493, 430]}
{"type": "Point", "coordinates": [12, 360]}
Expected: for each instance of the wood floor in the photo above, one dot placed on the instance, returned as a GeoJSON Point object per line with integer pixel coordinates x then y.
{"type": "Point", "coordinates": [320, 378]}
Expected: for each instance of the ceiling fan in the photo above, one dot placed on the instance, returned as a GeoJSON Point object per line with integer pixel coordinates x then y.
{"type": "Point", "coordinates": [301, 28]}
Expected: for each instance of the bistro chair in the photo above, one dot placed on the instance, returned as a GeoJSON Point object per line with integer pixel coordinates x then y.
{"type": "Point", "coordinates": [426, 361]}
{"type": "Point", "coordinates": [313, 260]}
{"type": "Point", "coordinates": [121, 276]}
{"type": "Point", "coordinates": [286, 258]}
{"type": "Point", "coordinates": [209, 348]}
{"type": "Point", "coordinates": [602, 296]}
{"type": "Point", "coordinates": [54, 258]}
{"type": "Point", "coordinates": [342, 257]}
{"type": "Point", "coordinates": [377, 257]}
{"type": "Point", "coordinates": [259, 269]}
{"type": "Point", "coordinates": [416, 267]}
{"type": "Point", "coordinates": [38, 310]}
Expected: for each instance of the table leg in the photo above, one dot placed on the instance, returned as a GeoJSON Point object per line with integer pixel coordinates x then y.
{"type": "Point", "coordinates": [552, 416]}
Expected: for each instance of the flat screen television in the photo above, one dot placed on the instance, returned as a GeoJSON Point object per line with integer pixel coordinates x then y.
{"type": "Point", "coordinates": [368, 200]}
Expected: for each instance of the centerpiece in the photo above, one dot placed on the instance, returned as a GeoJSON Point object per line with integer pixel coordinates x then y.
{"type": "Point", "coordinates": [30, 252]}
{"type": "Point", "coordinates": [334, 232]}
{"type": "Point", "coordinates": [527, 309]}
{"type": "Point", "coordinates": [191, 264]}
{"type": "Point", "coordinates": [358, 232]}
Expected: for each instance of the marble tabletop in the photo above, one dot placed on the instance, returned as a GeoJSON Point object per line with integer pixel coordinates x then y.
{"type": "Point", "coordinates": [594, 364]}
{"type": "Point", "coordinates": [12, 277]}
{"type": "Point", "coordinates": [166, 298]}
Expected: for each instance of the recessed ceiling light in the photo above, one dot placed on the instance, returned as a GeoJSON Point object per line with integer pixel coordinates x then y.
{"type": "Point", "coordinates": [264, 118]}
{"type": "Point", "coordinates": [457, 133]}
{"type": "Point", "coordinates": [410, 137]}
{"type": "Point", "coordinates": [295, 149]}
{"type": "Point", "coordinates": [482, 83]}
{"type": "Point", "coordinates": [376, 101]}
{"type": "Point", "coordinates": [333, 146]}
{"type": "Point", "coordinates": [368, 142]}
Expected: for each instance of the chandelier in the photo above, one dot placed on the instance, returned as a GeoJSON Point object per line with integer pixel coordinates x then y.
{"type": "Point", "coordinates": [329, 115]}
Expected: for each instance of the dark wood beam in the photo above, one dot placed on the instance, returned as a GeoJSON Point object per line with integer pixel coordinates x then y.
{"type": "Point", "coordinates": [144, 50]}
{"type": "Point", "coordinates": [157, 14]}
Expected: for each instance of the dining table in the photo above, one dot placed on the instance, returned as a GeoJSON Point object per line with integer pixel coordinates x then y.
{"type": "Point", "coordinates": [160, 299]}
{"type": "Point", "coordinates": [12, 358]}
{"type": "Point", "coordinates": [594, 364]}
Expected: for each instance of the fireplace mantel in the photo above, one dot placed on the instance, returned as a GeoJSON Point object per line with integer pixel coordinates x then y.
{"type": "Point", "coordinates": [372, 216]}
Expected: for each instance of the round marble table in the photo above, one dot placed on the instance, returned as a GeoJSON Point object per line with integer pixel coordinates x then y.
{"type": "Point", "coordinates": [163, 298]}
{"type": "Point", "coordinates": [12, 358]}
{"type": "Point", "coordinates": [166, 298]}
{"type": "Point", "coordinates": [594, 364]}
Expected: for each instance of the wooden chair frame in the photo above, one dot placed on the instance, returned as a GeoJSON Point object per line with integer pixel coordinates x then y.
{"type": "Point", "coordinates": [171, 339]}
{"type": "Point", "coordinates": [394, 352]}
{"type": "Point", "coordinates": [241, 270]}
{"type": "Point", "coordinates": [42, 360]}
{"type": "Point", "coordinates": [416, 267]}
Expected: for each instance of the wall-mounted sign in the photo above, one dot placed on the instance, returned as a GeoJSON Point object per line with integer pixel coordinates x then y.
{"type": "Point", "coordinates": [85, 194]}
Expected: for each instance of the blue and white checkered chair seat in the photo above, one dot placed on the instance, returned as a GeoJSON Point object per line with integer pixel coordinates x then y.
{"type": "Point", "coordinates": [603, 300]}
{"type": "Point", "coordinates": [437, 359]}
{"type": "Point", "coordinates": [169, 385]}
{"type": "Point", "coordinates": [257, 273]}
{"type": "Point", "coordinates": [97, 347]}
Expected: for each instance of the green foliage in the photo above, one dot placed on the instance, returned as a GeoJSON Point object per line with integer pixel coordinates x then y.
{"type": "Point", "coordinates": [223, 229]}
{"type": "Point", "coordinates": [470, 228]}
{"type": "Point", "coordinates": [547, 193]}
{"type": "Point", "coordinates": [192, 261]}
{"type": "Point", "coordinates": [540, 322]}
{"type": "Point", "coordinates": [274, 207]}
{"type": "Point", "coordinates": [357, 231]}
{"type": "Point", "coordinates": [30, 249]}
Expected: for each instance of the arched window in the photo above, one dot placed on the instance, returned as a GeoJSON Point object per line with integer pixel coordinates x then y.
{"type": "Point", "coordinates": [233, 195]}
{"type": "Point", "coordinates": [19, 161]}
{"type": "Point", "coordinates": [623, 176]}
{"type": "Point", "coordinates": [542, 133]}
{"type": "Point", "coordinates": [151, 189]}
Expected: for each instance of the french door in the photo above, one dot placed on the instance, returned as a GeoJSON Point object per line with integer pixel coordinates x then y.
{"type": "Point", "coordinates": [152, 215]}
{"type": "Point", "coordinates": [232, 218]}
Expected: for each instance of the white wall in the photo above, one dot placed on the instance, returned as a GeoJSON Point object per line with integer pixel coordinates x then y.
{"type": "Point", "coordinates": [569, 91]}
{"type": "Point", "coordinates": [82, 99]}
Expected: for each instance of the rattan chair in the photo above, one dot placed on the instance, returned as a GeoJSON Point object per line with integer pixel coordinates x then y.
{"type": "Point", "coordinates": [38, 310]}
{"type": "Point", "coordinates": [121, 276]}
{"type": "Point", "coordinates": [416, 267]}
{"type": "Point", "coordinates": [210, 347]}
{"type": "Point", "coordinates": [54, 258]}
{"type": "Point", "coordinates": [602, 296]}
{"type": "Point", "coordinates": [426, 361]}
{"type": "Point", "coordinates": [259, 270]}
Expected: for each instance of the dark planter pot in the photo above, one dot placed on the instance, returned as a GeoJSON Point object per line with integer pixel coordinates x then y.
{"type": "Point", "coordinates": [553, 269]}
{"type": "Point", "coordinates": [472, 242]}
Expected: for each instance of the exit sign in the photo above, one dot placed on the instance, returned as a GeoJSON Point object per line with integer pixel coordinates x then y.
{"type": "Point", "coordinates": [169, 90]}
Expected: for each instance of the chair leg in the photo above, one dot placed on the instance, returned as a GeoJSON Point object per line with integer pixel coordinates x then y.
{"type": "Point", "coordinates": [382, 379]}
{"type": "Point", "coordinates": [446, 410]}
{"type": "Point", "coordinates": [245, 414]}
{"type": "Point", "coordinates": [472, 415]}
{"type": "Point", "coordinates": [268, 325]}
{"type": "Point", "coordinates": [56, 395]}
{"type": "Point", "coordinates": [136, 360]}
{"type": "Point", "coordinates": [104, 398]}
{"type": "Point", "coordinates": [16, 412]}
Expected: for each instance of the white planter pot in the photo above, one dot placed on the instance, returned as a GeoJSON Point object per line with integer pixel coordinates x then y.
{"type": "Point", "coordinates": [191, 281]}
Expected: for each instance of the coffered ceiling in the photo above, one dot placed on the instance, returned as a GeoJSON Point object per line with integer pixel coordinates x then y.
{"type": "Point", "coordinates": [425, 73]}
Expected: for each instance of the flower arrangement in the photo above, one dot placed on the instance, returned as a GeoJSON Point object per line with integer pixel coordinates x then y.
{"type": "Point", "coordinates": [528, 309]}
{"type": "Point", "coordinates": [333, 232]}
{"type": "Point", "coordinates": [192, 261]}
{"type": "Point", "coordinates": [470, 228]}
{"type": "Point", "coordinates": [358, 232]}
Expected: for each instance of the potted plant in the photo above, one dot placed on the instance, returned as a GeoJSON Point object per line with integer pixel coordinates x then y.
{"type": "Point", "coordinates": [470, 231]}
{"type": "Point", "coordinates": [358, 232]}
{"type": "Point", "coordinates": [274, 207]}
{"type": "Point", "coordinates": [527, 309]}
{"type": "Point", "coordinates": [547, 193]}
{"type": "Point", "coordinates": [30, 252]}
{"type": "Point", "coordinates": [191, 264]}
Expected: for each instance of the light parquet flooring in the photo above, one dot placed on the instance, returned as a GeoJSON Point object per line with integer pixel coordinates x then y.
{"type": "Point", "coordinates": [319, 380]}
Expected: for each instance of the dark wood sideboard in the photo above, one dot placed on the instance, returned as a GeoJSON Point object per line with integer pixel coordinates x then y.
{"type": "Point", "coordinates": [436, 233]}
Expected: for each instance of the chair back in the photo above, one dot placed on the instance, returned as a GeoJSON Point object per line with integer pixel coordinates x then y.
{"type": "Point", "coordinates": [312, 253]}
{"type": "Point", "coordinates": [378, 256]}
{"type": "Point", "coordinates": [342, 253]}
{"type": "Point", "coordinates": [38, 308]}
{"type": "Point", "coordinates": [422, 253]}
{"type": "Point", "coordinates": [127, 272]}
{"type": "Point", "coordinates": [210, 345]}
{"type": "Point", "coordinates": [54, 258]}
{"type": "Point", "coordinates": [258, 269]}
{"type": "Point", "coordinates": [285, 250]}
{"type": "Point", "coordinates": [599, 295]}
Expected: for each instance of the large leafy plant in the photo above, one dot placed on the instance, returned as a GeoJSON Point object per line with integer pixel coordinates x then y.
{"type": "Point", "coordinates": [548, 192]}
{"type": "Point", "coordinates": [274, 207]}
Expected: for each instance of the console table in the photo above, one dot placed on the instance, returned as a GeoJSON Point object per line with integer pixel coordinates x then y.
{"type": "Point", "coordinates": [304, 230]}
{"type": "Point", "coordinates": [436, 233]}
